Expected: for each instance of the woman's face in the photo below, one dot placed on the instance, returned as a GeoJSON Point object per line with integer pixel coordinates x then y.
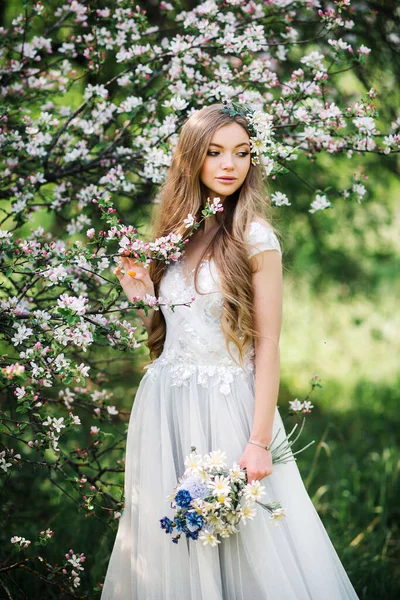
{"type": "Point", "coordinates": [227, 162]}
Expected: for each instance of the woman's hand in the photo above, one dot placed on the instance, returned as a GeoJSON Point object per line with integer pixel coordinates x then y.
{"type": "Point", "coordinates": [257, 461]}
{"type": "Point", "coordinates": [138, 283]}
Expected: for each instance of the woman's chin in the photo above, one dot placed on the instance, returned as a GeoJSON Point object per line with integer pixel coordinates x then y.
{"type": "Point", "coordinates": [223, 191]}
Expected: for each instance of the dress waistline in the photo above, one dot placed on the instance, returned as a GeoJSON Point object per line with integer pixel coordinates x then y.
{"type": "Point", "coordinates": [183, 371]}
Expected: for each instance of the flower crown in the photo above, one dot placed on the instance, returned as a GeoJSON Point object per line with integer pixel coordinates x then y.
{"type": "Point", "coordinates": [259, 126]}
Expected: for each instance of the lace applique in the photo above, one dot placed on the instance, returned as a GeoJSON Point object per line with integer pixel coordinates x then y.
{"type": "Point", "coordinates": [195, 346]}
{"type": "Point", "coordinates": [173, 285]}
{"type": "Point", "coordinates": [262, 238]}
{"type": "Point", "coordinates": [212, 310]}
{"type": "Point", "coordinates": [207, 375]}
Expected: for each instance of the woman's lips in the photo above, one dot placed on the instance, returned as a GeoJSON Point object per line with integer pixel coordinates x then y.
{"type": "Point", "coordinates": [226, 180]}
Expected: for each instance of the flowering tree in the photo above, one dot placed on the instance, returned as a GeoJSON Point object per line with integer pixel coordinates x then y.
{"type": "Point", "coordinates": [94, 95]}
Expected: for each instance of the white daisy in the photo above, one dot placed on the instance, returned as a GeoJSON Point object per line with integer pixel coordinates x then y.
{"type": "Point", "coordinates": [208, 538]}
{"type": "Point", "coordinates": [277, 515]}
{"type": "Point", "coordinates": [254, 491]}
{"type": "Point", "coordinates": [216, 459]}
{"type": "Point", "coordinates": [220, 486]}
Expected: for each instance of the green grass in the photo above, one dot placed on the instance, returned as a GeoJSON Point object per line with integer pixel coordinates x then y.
{"type": "Point", "coordinates": [352, 476]}
{"type": "Point", "coordinates": [352, 472]}
{"type": "Point", "coordinates": [346, 341]}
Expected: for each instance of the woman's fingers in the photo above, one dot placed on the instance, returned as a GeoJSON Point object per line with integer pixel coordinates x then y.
{"type": "Point", "coordinates": [130, 272]}
{"type": "Point", "coordinates": [118, 273]}
{"type": "Point", "coordinates": [130, 263]}
{"type": "Point", "coordinates": [255, 475]}
{"type": "Point", "coordinates": [136, 277]}
{"type": "Point", "coordinates": [258, 475]}
{"type": "Point", "coordinates": [134, 266]}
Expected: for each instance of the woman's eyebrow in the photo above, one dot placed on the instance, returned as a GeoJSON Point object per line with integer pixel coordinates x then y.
{"type": "Point", "coordinates": [219, 146]}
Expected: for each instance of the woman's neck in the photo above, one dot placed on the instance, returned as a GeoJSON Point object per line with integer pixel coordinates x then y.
{"type": "Point", "coordinates": [210, 223]}
{"type": "Point", "coordinates": [215, 220]}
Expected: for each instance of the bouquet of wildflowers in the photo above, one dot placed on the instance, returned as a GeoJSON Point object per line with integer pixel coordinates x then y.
{"type": "Point", "coordinates": [211, 500]}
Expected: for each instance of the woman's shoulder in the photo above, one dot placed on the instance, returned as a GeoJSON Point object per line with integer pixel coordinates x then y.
{"type": "Point", "coordinates": [261, 236]}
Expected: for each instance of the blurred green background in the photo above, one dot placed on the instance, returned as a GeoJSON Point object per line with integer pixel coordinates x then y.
{"type": "Point", "coordinates": [341, 321]}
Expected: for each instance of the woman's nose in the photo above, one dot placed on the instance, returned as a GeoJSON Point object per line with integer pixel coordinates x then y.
{"type": "Point", "coordinates": [227, 162]}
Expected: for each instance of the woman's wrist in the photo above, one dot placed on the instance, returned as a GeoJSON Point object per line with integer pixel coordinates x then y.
{"type": "Point", "coordinates": [259, 444]}
{"type": "Point", "coordinates": [145, 318]}
{"type": "Point", "coordinates": [263, 436]}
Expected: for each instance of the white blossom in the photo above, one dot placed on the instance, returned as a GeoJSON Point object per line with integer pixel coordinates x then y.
{"type": "Point", "coordinates": [320, 203]}
{"type": "Point", "coordinates": [21, 541]}
{"type": "Point", "coordinates": [176, 103]}
{"type": "Point", "coordinates": [77, 305]}
{"type": "Point", "coordinates": [189, 221]}
{"type": "Point", "coordinates": [280, 199]}
{"type": "Point", "coordinates": [22, 334]}
{"type": "Point", "coordinates": [55, 274]}
{"type": "Point", "coordinates": [314, 60]}
{"type": "Point", "coordinates": [83, 369]}
{"type": "Point", "coordinates": [296, 405]}
{"type": "Point", "coordinates": [364, 50]}
{"type": "Point", "coordinates": [3, 462]}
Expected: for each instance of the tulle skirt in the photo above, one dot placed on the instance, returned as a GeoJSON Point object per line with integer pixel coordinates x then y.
{"type": "Point", "coordinates": [292, 561]}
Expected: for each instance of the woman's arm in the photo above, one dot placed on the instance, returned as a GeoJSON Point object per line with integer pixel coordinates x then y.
{"type": "Point", "coordinates": [268, 284]}
{"type": "Point", "coordinates": [137, 284]}
{"type": "Point", "coordinates": [146, 319]}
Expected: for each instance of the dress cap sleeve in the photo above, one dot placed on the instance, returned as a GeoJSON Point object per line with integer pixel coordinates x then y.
{"type": "Point", "coordinates": [262, 238]}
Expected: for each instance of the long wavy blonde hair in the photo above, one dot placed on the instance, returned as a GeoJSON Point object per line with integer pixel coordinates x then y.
{"type": "Point", "coordinates": [183, 193]}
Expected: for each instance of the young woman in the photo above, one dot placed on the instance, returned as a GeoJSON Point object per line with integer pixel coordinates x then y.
{"type": "Point", "coordinates": [214, 384]}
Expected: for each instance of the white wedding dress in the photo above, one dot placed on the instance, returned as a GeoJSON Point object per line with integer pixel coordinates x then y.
{"type": "Point", "coordinates": [195, 394]}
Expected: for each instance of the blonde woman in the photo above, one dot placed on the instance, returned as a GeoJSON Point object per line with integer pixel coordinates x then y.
{"type": "Point", "coordinates": [214, 384]}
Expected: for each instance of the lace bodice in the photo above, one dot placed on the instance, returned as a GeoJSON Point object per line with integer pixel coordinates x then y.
{"type": "Point", "coordinates": [194, 338]}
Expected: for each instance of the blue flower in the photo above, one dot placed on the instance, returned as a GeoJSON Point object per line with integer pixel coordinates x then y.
{"type": "Point", "coordinates": [180, 522]}
{"type": "Point", "coordinates": [194, 521]}
{"type": "Point", "coordinates": [196, 487]}
{"type": "Point", "coordinates": [192, 535]}
{"type": "Point", "coordinates": [167, 525]}
{"type": "Point", "coordinates": [183, 498]}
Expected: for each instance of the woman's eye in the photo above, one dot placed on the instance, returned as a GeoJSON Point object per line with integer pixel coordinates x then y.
{"type": "Point", "coordinates": [215, 153]}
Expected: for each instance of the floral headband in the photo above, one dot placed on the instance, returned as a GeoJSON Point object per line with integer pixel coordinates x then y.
{"type": "Point", "coordinates": [259, 125]}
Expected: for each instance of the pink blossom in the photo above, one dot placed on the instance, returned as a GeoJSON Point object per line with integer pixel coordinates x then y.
{"type": "Point", "coordinates": [364, 50]}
